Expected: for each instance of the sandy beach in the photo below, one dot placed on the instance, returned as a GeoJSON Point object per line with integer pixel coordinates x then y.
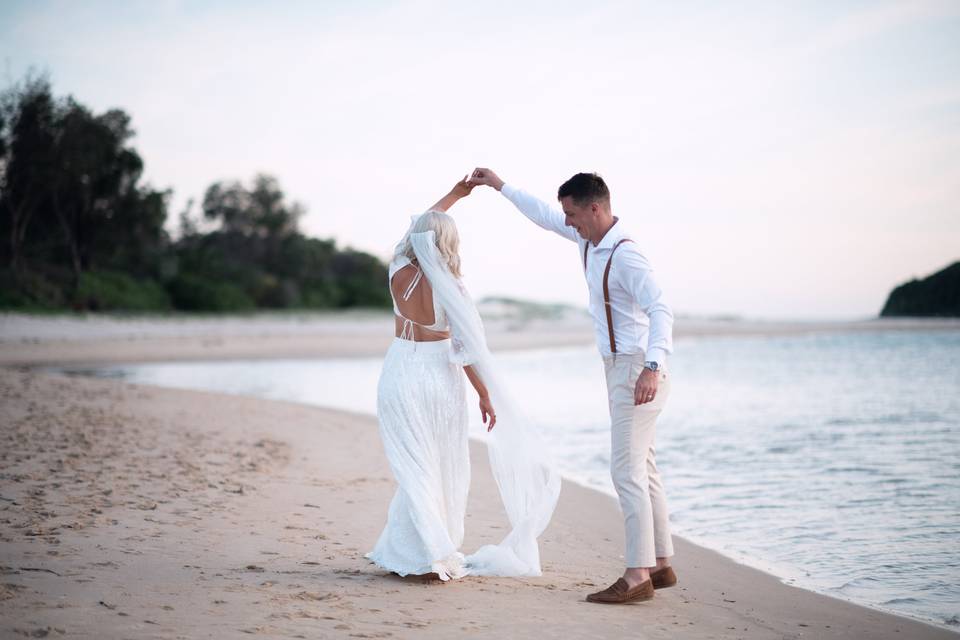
{"type": "Point", "coordinates": [129, 511]}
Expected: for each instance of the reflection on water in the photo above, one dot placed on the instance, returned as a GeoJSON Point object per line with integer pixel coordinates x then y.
{"type": "Point", "coordinates": [830, 460]}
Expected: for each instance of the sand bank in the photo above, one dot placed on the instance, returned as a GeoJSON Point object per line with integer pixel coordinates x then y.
{"type": "Point", "coordinates": [104, 339]}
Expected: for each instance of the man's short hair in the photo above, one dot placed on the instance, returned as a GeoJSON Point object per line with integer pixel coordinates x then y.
{"type": "Point", "coordinates": [585, 188]}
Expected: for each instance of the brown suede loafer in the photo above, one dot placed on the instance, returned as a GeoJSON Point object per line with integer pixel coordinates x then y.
{"type": "Point", "coordinates": [620, 593]}
{"type": "Point", "coordinates": [663, 578]}
{"type": "Point", "coordinates": [430, 577]}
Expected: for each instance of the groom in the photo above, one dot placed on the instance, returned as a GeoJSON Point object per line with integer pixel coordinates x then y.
{"type": "Point", "coordinates": [634, 334]}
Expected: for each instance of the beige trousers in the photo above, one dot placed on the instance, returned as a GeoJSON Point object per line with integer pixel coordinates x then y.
{"type": "Point", "coordinates": [632, 461]}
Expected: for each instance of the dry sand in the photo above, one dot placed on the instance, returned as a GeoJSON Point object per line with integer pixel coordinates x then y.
{"type": "Point", "coordinates": [129, 511]}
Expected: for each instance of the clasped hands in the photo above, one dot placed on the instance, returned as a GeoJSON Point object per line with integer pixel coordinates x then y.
{"type": "Point", "coordinates": [480, 175]}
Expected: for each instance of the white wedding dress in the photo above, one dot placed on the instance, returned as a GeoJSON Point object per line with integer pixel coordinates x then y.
{"type": "Point", "coordinates": [422, 412]}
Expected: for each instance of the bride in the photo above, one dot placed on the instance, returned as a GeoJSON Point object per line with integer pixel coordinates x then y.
{"type": "Point", "coordinates": [422, 412]}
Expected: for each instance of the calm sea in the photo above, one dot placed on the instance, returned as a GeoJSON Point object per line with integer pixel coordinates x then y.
{"type": "Point", "coordinates": [830, 460]}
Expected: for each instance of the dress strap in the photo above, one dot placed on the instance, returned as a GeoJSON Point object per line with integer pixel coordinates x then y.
{"type": "Point", "coordinates": [407, 332]}
{"type": "Point", "coordinates": [413, 285]}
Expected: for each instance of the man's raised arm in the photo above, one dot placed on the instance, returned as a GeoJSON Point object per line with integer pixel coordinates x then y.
{"type": "Point", "coordinates": [549, 217]}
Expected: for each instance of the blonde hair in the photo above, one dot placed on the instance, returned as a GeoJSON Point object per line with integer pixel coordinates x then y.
{"type": "Point", "coordinates": [447, 238]}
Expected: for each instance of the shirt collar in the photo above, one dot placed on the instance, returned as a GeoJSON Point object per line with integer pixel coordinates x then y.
{"type": "Point", "coordinates": [614, 234]}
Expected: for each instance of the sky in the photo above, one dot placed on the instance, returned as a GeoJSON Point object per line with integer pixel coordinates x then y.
{"type": "Point", "coordinates": [772, 160]}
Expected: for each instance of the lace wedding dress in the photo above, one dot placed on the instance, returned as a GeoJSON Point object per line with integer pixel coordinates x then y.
{"type": "Point", "coordinates": [422, 410]}
{"type": "Point", "coordinates": [422, 413]}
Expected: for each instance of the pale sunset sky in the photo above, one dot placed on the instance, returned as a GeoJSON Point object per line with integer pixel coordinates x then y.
{"type": "Point", "coordinates": [772, 159]}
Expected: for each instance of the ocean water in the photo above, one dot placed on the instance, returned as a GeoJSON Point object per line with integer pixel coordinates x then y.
{"type": "Point", "coordinates": [830, 460]}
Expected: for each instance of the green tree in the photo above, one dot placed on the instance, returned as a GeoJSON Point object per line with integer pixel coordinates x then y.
{"type": "Point", "coordinates": [27, 161]}
{"type": "Point", "coordinates": [70, 201]}
{"type": "Point", "coordinates": [79, 229]}
{"type": "Point", "coordinates": [258, 211]}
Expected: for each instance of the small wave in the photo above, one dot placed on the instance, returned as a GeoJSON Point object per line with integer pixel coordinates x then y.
{"type": "Point", "coordinates": [908, 418]}
{"type": "Point", "coordinates": [861, 502]}
{"type": "Point", "coordinates": [783, 449]}
{"type": "Point", "coordinates": [901, 601]}
{"type": "Point", "coordinates": [889, 418]}
{"type": "Point", "coordinates": [842, 422]}
{"type": "Point", "coordinates": [856, 583]}
{"type": "Point", "coordinates": [866, 470]}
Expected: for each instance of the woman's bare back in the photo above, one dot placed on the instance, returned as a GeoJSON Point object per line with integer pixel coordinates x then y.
{"type": "Point", "coordinates": [418, 307]}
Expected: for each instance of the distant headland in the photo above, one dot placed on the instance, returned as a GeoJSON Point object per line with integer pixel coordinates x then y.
{"type": "Point", "coordinates": [937, 295]}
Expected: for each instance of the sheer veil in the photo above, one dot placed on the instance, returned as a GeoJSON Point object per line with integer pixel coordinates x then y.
{"type": "Point", "coordinates": [526, 477]}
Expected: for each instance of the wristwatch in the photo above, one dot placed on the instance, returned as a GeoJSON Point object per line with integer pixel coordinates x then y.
{"type": "Point", "coordinates": [653, 366]}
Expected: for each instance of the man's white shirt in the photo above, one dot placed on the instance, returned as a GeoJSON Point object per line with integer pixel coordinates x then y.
{"type": "Point", "coordinates": [642, 321]}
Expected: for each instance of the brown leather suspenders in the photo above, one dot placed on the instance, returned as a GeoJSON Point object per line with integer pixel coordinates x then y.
{"type": "Point", "coordinates": [606, 288]}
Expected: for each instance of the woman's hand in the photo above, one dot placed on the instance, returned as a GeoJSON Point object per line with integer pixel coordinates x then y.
{"type": "Point", "coordinates": [460, 190]}
{"type": "Point", "coordinates": [482, 175]}
{"type": "Point", "coordinates": [486, 409]}
{"type": "Point", "coordinates": [463, 188]}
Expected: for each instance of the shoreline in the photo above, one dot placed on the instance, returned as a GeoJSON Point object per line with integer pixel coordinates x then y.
{"type": "Point", "coordinates": [241, 514]}
{"type": "Point", "coordinates": [716, 584]}
{"type": "Point", "coordinates": [790, 576]}
{"type": "Point", "coordinates": [740, 559]}
{"type": "Point", "coordinates": [97, 340]}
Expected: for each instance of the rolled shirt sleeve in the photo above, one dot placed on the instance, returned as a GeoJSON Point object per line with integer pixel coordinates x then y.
{"type": "Point", "coordinates": [633, 273]}
{"type": "Point", "coordinates": [543, 214]}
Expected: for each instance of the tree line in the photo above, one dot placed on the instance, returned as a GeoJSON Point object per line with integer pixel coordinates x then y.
{"type": "Point", "coordinates": [79, 230]}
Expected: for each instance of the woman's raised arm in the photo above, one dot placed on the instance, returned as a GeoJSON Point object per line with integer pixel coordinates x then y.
{"type": "Point", "coordinates": [460, 190]}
